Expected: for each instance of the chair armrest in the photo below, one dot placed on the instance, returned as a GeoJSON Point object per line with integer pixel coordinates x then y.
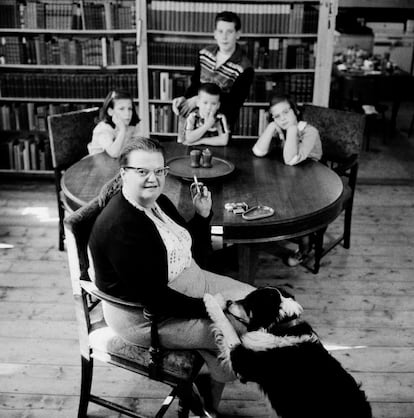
{"type": "Point", "coordinates": [347, 164]}
{"type": "Point", "coordinates": [343, 165]}
{"type": "Point", "coordinates": [91, 289]}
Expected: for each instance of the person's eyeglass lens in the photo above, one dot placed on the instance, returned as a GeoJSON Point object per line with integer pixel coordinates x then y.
{"type": "Point", "coordinates": [145, 172]}
{"type": "Point", "coordinates": [282, 113]}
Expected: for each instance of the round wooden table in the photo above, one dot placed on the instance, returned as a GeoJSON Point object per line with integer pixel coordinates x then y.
{"type": "Point", "coordinates": [305, 198]}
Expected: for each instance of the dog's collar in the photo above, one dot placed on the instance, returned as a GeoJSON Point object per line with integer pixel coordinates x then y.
{"type": "Point", "coordinates": [289, 324]}
{"type": "Point", "coordinates": [241, 320]}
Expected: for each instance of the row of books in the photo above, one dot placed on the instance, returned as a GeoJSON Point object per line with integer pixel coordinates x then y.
{"type": "Point", "coordinates": [263, 53]}
{"type": "Point", "coordinates": [63, 85]}
{"type": "Point", "coordinates": [68, 14]}
{"type": "Point", "coordinates": [248, 122]}
{"type": "Point", "coordinates": [51, 50]}
{"type": "Point", "coordinates": [162, 119]}
{"type": "Point", "coordinates": [256, 17]}
{"type": "Point", "coordinates": [31, 116]}
{"type": "Point", "coordinates": [298, 86]}
{"type": "Point", "coordinates": [251, 122]}
{"type": "Point", "coordinates": [281, 53]}
{"type": "Point", "coordinates": [174, 53]}
{"type": "Point", "coordinates": [108, 15]}
{"type": "Point", "coordinates": [23, 154]}
{"type": "Point", "coordinates": [164, 85]}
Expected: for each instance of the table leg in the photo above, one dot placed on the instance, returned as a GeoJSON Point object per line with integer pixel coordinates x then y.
{"type": "Point", "coordinates": [394, 113]}
{"type": "Point", "coordinates": [248, 260]}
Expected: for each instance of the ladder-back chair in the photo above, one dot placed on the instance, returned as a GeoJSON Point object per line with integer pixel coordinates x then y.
{"type": "Point", "coordinates": [176, 368]}
{"type": "Point", "coordinates": [69, 134]}
{"type": "Point", "coordinates": [341, 135]}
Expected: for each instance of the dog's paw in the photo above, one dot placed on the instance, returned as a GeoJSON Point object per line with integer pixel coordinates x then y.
{"type": "Point", "coordinates": [262, 341]}
{"type": "Point", "coordinates": [213, 307]}
{"type": "Point", "coordinates": [220, 300]}
{"type": "Point", "coordinates": [221, 325]}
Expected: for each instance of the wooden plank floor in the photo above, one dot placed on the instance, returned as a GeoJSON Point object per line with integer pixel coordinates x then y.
{"type": "Point", "coordinates": [363, 296]}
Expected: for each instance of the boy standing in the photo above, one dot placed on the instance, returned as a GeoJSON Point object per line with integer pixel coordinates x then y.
{"type": "Point", "coordinates": [205, 125]}
{"type": "Point", "coordinates": [224, 64]}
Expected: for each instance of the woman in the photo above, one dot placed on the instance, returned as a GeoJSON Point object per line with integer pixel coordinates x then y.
{"type": "Point", "coordinates": [143, 250]}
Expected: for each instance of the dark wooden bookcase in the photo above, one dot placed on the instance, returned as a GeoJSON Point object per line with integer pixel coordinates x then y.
{"type": "Point", "coordinates": [62, 55]}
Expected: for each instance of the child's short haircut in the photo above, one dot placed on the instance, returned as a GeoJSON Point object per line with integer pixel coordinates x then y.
{"type": "Point", "coordinates": [228, 17]}
{"type": "Point", "coordinates": [210, 88]}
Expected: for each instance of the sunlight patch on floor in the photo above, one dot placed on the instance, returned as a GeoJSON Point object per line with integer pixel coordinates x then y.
{"type": "Point", "coordinates": [41, 212]}
{"type": "Point", "coordinates": [337, 347]}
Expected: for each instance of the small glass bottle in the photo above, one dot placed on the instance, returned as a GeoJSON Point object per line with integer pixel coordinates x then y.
{"type": "Point", "coordinates": [195, 157]}
{"type": "Point", "coordinates": [206, 158]}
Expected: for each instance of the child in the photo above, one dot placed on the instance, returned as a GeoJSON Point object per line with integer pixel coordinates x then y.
{"type": "Point", "coordinates": [224, 64]}
{"type": "Point", "coordinates": [299, 141]}
{"type": "Point", "coordinates": [118, 122]}
{"type": "Point", "coordinates": [205, 125]}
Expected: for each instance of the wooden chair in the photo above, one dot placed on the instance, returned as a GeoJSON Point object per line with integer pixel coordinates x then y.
{"type": "Point", "coordinates": [177, 368]}
{"type": "Point", "coordinates": [341, 134]}
{"type": "Point", "coordinates": [69, 134]}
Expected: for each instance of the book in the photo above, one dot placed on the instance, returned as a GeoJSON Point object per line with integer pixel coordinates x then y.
{"type": "Point", "coordinates": [33, 155]}
{"type": "Point", "coordinates": [164, 86]}
{"type": "Point", "coordinates": [25, 153]}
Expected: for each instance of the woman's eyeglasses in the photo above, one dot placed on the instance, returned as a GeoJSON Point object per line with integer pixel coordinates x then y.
{"type": "Point", "coordinates": [145, 172]}
{"type": "Point", "coordinates": [282, 113]}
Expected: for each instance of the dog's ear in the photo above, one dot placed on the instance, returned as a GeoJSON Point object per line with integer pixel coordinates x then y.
{"type": "Point", "coordinates": [289, 308]}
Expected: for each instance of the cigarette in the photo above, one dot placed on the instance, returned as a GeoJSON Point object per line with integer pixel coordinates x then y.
{"type": "Point", "coordinates": [196, 184]}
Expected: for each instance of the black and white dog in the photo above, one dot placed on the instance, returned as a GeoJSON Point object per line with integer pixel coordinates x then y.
{"type": "Point", "coordinates": [283, 354]}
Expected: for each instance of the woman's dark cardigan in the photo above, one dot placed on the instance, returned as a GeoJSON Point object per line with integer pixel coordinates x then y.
{"type": "Point", "coordinates": [130, 258]}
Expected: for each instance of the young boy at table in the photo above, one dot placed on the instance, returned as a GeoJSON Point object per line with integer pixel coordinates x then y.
{"type": "Point", "coordinates": [298, 140]}
{"type": "Point", "coordinates": [205, 125]}
{"type": "Point", "coordinates": [224, 64]}
{"type": "Point", "coordinates": [118, 122]}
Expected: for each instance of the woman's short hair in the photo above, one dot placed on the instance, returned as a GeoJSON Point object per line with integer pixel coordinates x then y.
{"type": "Point", "coordinates": [139, 143]}
{"type": "Point", "coordinates": [276, 98]}
{"type": "Point", "coordinates": [228, 17]}
{"type": "Point", "coordinates": [109, 103]}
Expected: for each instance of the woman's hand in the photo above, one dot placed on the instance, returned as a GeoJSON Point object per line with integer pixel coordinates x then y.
{"type": "Point", "coordinates": [202, 202]}
{"type": "Point", "coordinates": [118, 122]}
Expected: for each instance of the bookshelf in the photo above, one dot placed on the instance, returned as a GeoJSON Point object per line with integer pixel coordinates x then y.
{"type": "Point", "coordinates": [289, 43]}
{"type": "Point", "coordinates": [63, 55]}
{"type": "Point", "coordinates": [58, 56]}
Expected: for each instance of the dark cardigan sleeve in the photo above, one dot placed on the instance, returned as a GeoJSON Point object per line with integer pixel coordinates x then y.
{"type": "Point", "coordinates": [131, 262]}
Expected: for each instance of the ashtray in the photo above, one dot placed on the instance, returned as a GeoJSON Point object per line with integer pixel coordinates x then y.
{"type": "Point", "coordinates": [258, 212]}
